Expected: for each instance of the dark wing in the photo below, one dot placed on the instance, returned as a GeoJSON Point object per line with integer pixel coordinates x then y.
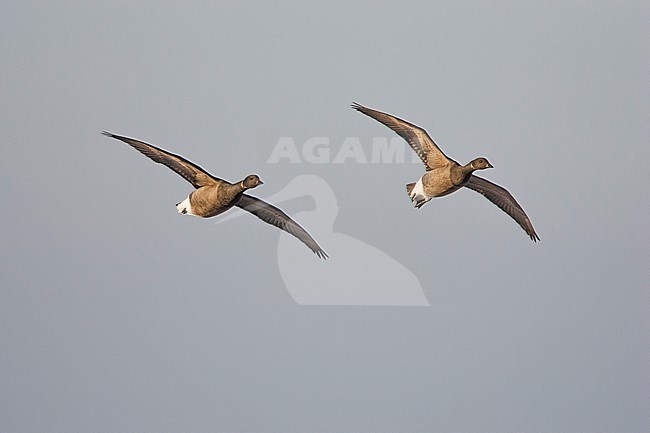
{"type": "Point", "coordinates": [274, 216]}
{"type": "Point", "coordinates": [190, 172]}
{"type": "Point", "coordinates": [416, 137]}
{"type": "Point", "coordinates": [502, 198]}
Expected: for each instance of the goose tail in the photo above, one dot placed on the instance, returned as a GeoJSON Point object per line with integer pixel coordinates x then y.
{"type": "Point", "coordinates": [409, 188]}
{"type": "Point", "coordinates": [415, 191]}
{"type": "Point", "coordinates": [184, 207]}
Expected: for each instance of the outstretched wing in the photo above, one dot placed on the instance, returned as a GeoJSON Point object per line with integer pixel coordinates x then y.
{"type": "Point", "coordinates": [416, 137]}
{"type": "Point", "coordinates": [189, 171]}
{"type": "Point", "coordinates": [502, 198]}
{"type": "Point", "coordinates": [274, 216]}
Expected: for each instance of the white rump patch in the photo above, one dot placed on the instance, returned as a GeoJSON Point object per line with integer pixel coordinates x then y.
{"type": "Point", "coordinates": [184, 207]}
{"type": "Point", "coordinates": [417, 193]}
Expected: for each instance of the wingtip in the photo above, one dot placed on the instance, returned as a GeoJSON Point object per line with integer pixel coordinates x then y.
{"type": "Point", "coordinates": [531, 231]}
{"type": "Point", "coordinates": [321, 254]}
{"type": "Point", "coordinates": [532, 234]}
{"type": "Point", "coordinates": [106, 133]}
{"type": "Point", "coordinates": [356, 106]}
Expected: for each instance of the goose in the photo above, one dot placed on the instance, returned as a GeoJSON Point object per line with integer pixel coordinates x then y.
{"type": "Point", "coordinates": [213, 196]}
{"type": "Point", "coordinates": [443, 175]}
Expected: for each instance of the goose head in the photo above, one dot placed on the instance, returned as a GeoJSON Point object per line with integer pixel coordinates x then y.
{"type": "Point", "coordinates": [251, 181]}
{"type": "Point", "coordinates": [480, 163]}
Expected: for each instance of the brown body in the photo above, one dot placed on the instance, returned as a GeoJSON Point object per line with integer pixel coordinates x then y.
{"type": "Point", "coordinates": [443, 180]}
{"type": "Point", "coordinates": [211, 200]}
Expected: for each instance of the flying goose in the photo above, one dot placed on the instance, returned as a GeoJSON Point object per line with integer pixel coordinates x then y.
{"type": "Point", "coordinates": [444, 175]}
{"type": "Point", "coordinates": [213, 196]}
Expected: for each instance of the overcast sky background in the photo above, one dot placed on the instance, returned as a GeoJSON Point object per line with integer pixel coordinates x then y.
{"type": "Point", "coordinates": [118, 314]}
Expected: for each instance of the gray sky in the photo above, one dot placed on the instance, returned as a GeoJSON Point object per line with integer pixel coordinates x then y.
{"type": "Point", "coordinates": [118, 314]}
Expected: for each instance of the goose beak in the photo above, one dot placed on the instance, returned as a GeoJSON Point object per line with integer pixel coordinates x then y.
{"type": "Point", "coordinates": [490, 165]}
{"type": "Point", "coordinates": [261, 183]}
